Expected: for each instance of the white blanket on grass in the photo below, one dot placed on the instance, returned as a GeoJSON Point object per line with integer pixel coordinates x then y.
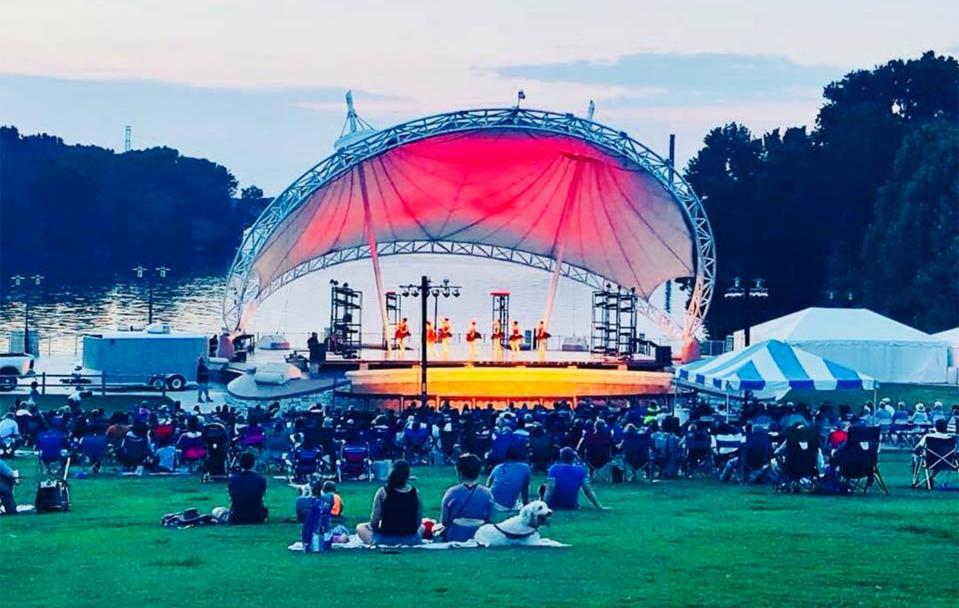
{"type": "Point", "coordinates": [356, 543]}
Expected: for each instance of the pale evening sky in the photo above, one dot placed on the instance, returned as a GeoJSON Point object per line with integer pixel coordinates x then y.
{"type": "Point", "coordinates": [258, 85]}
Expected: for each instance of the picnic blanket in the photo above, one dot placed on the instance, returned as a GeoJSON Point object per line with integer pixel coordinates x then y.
{"type": "Point", "coordinates": [354, 542]}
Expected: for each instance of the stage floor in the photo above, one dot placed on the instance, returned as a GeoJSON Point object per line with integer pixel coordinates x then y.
{"type": "Point", "coordinates": [518, 382]}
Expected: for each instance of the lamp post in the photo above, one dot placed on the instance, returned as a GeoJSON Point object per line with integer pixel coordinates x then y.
{"type": "Point", "coordinates": [745, 293]}
{"type": "Point", "coordinates": [160, 271]}
{"type": "Point", "coordinates": [839, 300]}
{"type": "Point", "coordinates": [446, 290]}
{"type": "Point", "coordinates": [30, 282]}
{"type": "Point", "coordinates": [423, 291]}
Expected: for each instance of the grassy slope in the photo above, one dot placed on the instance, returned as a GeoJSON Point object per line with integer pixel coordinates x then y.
{"type": "Point", "coordinates": [675, 543]}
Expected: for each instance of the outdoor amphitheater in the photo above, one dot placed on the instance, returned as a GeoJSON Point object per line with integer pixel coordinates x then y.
{"type": "Point", "coordinates": [510, 355]}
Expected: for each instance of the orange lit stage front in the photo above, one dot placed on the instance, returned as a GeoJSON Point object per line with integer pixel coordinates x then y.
{"type": "Point", "coordinates": [499, 384]}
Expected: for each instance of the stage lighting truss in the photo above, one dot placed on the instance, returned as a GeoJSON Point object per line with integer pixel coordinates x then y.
{"type": "Point", "coordinates": [243, 290]}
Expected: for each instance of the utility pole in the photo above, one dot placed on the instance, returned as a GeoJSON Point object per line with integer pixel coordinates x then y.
{"type": "Point", "coordinates": [141, 271]}
{"type": "Point", "coordinates": [30, 282]}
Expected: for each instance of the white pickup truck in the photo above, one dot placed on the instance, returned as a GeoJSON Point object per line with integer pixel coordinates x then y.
{"type": "Point", "coordinates": [14, 366]}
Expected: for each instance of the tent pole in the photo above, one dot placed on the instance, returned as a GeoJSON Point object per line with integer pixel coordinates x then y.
{"type": "Point", "coordinates": [560, 246]}
{"type": "Point", "coordinates": [375, 257]}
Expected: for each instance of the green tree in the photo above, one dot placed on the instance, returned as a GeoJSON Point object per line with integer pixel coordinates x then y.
{"type": "Point", "coordinates": [910, 254]}
{"type": "Point", "coordinates": [251, 193]}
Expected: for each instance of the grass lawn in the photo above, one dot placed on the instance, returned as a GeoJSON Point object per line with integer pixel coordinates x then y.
{"type": "Point", "coordinates": [682, 542]}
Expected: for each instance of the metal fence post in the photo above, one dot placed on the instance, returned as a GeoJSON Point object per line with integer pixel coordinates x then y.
{"type": "Point", "coordinates": [43, 383]}
{"type": "Point", "coordinates": [103, 385]}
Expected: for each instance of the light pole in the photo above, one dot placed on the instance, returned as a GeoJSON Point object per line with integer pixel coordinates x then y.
{"type": "Point", "coordinates": [446, 290]}
{"type": "Point", "coordinates": [839, 300]}
{"type": "Point", "coordinates": [30, 282]}
{"type": "Point", "coordinates": [423, 291]}
{"type": "Point", "coordinates": [746, 293]}
{"type": "Point", "coordinates": [141, 272]}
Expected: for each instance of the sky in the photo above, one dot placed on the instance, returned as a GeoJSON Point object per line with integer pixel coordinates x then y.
{"type": "Point", "coordinates": [258, 85]}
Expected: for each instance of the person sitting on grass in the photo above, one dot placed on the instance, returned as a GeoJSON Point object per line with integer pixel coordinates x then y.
{"type": "Point", "coordinates": [468, 505]}
{"type": "Point", "coordinates": [509, 481]}
{"type": "Point", "coordinates": [325, 490]}
{"type": "Point", "coordinates": [564, 482]}
{"type": "Point", "coordinates": [397, 511]}
{"type": "Point", "coordinates": [8, 479]}
{"type": "Point", "coordinates": [247, 489]}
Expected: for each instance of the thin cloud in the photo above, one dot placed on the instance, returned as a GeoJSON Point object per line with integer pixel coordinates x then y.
{"type": "Point", "coordinates": [687, 79]}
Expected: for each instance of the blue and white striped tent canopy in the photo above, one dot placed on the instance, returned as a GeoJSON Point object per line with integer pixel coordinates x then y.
{"type": "Point", "coordinates": [771, 369]}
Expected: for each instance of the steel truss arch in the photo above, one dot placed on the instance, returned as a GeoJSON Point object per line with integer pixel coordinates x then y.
{"type": "Point", "coordinates": [243, 290]}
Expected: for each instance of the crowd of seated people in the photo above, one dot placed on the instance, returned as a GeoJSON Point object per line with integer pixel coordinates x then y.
{"type": "Point", "coordinates": [626, 439]}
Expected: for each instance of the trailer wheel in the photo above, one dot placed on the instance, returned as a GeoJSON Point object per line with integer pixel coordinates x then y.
{"type": "Point", "coordinates": [176, 383]}
{"type": "Point", "coordinates": [7, 382]}
{"type": "Point", "coordinates": [158, 383]}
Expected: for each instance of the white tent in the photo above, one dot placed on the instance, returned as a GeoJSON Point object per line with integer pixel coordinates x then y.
{"type": "Point", "coordinates": [951, 337]}
{"type": "Point", "coordinates": [861, 339]}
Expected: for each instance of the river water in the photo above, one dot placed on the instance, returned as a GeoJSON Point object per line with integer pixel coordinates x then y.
{"type": "Point", "coordinates": [62, 312]}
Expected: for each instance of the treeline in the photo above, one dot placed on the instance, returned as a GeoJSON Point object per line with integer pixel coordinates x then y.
{"type": "Point", "coordinates": [866, 204]}
{"type": "Point", "coordinates": [85, 211]}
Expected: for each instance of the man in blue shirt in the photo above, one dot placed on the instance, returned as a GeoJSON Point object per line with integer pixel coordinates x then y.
{"type": "Point", "coordinates": [509, 481]}
{"type": "Point", "coordinates": [564, 481]}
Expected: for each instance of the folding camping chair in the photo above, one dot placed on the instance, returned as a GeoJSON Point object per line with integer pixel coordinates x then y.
{"type": "Point", "coordinates": [599, 459]}
{"type": "Point", "coordinates": [857, 461]}
{"type": "Point", "coordinates": [276, 446]}
{"type": "Point", "coordinates": [542, 452]}
{"type": "Point", "coordinates": [754, 456]}
{"type": "Point", "coordinates": [302, 463]}
{"type": "Point", "coordinates": [636, 457]}
{"type": "Point", "coordinates": [354, 462]}
{"type": "Point", "coordinates": [93, 449]}
{"type": "Point", "coordinates": [799, 466]}
{"type": "Point", "coordinates": [51, 452]}
{"type": "Point", "coordinates": [937, 455]}
{"type": "Point", "coordinates": [697, 454]}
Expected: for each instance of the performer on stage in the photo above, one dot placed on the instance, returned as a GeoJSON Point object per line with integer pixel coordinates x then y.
{"type": "Point", "coordinates": [401, 334]}
{"type": "Point", "coordinates": [472, 337]}
{"type": "Point", "coordinates": [497, 338]}
{"type": "Point", "coordinates": [446, 332]}
{"type": "Point", "coordinates": [541, 338]}
{"type": "Point", "coordinates": [515, 338]}
{"type": "Point", "coordinates": [431, 338]}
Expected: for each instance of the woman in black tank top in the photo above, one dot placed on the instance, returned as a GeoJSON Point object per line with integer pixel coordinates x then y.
{"type": "Point", "coordinates": [397, 511]}
{"type": "Point", "coordinates": [400, 513]}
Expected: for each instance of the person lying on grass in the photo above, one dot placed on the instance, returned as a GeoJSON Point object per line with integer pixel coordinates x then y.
{"type": "Point", "coordinates": [564, 481]}
{"type": "Point", "coordinates": [397, 511]}
{"type": "Point", "coordinates": [467, 505]}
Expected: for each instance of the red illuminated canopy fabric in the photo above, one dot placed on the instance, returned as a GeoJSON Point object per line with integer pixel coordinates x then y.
{"type": "Point", "coordinates": [548, 194]}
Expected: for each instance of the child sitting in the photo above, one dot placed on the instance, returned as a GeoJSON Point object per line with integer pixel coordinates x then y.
{"type": "Point", "coordinates": [325, 491]}
{"type": "Point", "coordinates": [329, 494]}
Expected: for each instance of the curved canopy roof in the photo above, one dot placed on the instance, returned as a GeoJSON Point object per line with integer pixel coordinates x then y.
{"type": "Point", "coordinates": [546, 190]}
{"type": "Point", "coordinates": [543, 193]}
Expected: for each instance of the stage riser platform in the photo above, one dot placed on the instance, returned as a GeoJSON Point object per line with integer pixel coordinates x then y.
{"type": "Point", "coordinates": [516, 382]}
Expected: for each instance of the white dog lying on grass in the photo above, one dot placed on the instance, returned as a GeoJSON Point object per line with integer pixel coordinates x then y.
{"type": "Point", "coordinates": [521, 529]}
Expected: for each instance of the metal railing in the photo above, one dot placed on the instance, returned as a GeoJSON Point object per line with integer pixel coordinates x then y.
{"type": "Point", "coordinates": [101, 383]}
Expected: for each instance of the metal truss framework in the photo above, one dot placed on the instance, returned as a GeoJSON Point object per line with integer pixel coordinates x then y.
{"type": "Point", "coordinates": [243, 289]}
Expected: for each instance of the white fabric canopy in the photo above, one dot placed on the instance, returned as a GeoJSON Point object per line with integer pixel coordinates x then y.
{"type": "Point", "coordinates": [885, 349]}
{"type": "Point", "coordinates": [951, 337]}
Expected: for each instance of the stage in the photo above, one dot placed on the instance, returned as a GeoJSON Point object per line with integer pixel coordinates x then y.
{"type": "Point", "coordinates": [540, 383]}
{"type": "Point", "coordinates": [383, 379]}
